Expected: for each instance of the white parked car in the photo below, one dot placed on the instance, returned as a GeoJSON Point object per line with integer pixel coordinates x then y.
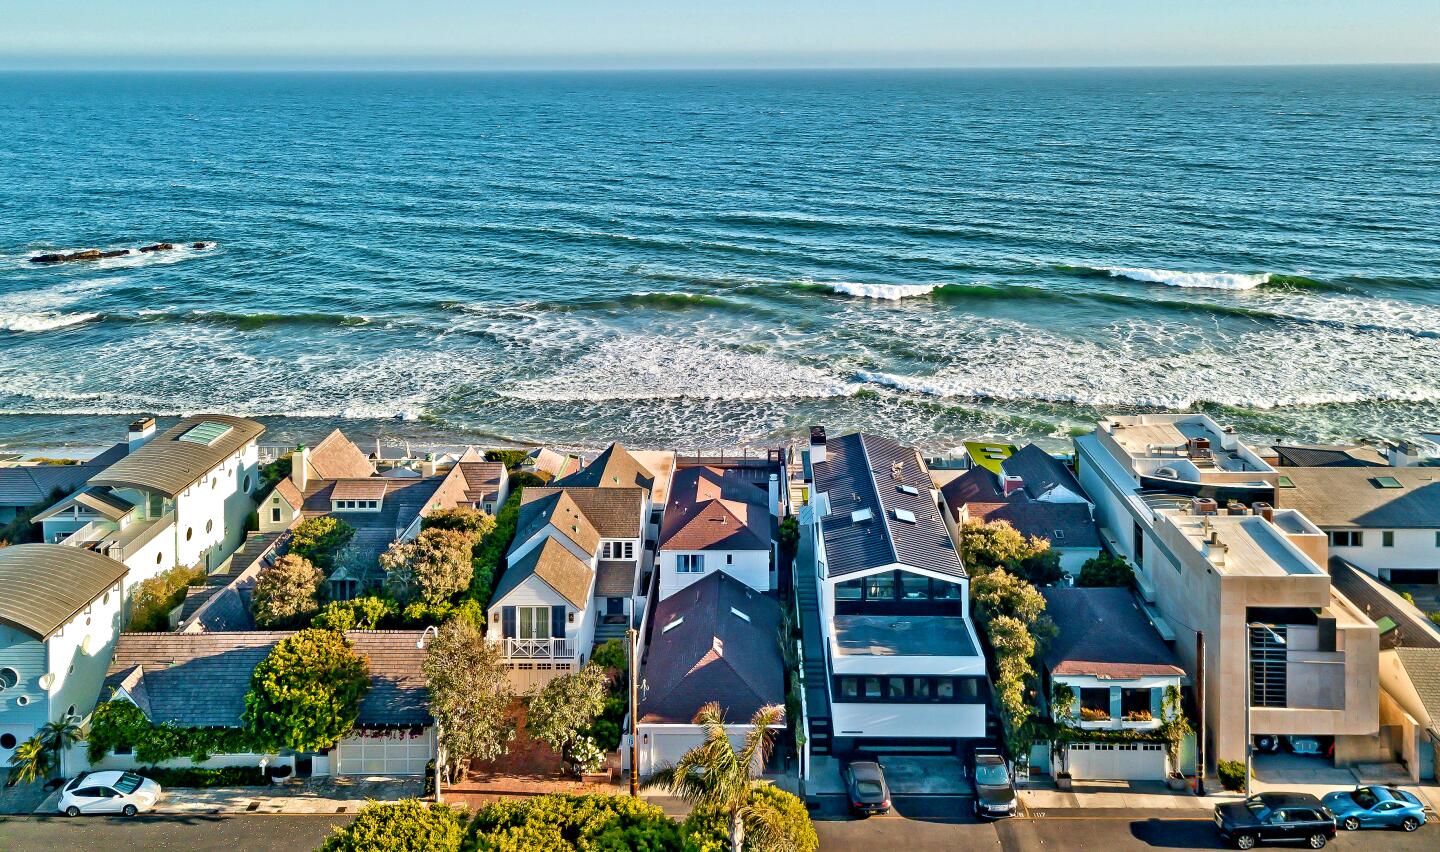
{"type": "Point", "coordinates": [109, 793]}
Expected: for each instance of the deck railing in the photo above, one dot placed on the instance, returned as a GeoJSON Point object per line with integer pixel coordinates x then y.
{"type": "Point", "coordinates": [538, 649]}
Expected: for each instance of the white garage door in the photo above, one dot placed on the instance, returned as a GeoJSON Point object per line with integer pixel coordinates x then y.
{"type": "Point", "coordinates": [1117, 761]}
{"type": "Point", "coordinates": [384, 756]}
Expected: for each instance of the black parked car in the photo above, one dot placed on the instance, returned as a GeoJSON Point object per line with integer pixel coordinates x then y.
{"type": "Point", "coordinates": [869, 794]}
{"type": "Point", "coordinates": [1275, 818]}
{"type": "Point", "coordinates": [994, 793]}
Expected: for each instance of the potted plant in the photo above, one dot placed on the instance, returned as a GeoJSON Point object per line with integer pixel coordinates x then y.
{"type": "Point", "coordinates": [1062, 703]}
{"type": "Point", "coordinates": [1174, 729]}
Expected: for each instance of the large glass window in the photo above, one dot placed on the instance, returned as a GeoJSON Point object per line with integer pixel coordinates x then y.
{"type": "Point", "coordinates": [880, 587]}
{"type": "Point", "coordinates": [941, 590]}
{"type": "Point", "coordinates": [850, 590]}
{"type": "Point", "coordinates": [1135, 704]}
{"type": "Point", "coordinates": [1094, 704]}
{"type": "Point", "coordinates": [914, 587]}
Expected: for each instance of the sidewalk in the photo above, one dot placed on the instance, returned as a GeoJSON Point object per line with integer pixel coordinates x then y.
{"type": "Point", "coordinates": [1041, 796]}
{"type": "Point", "coordinates": [337, 795]}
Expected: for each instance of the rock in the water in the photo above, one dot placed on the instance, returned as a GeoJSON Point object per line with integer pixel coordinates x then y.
{"type": "Point", "coordinates": [158, 247]}
{"type": "Point", "coordinates": [47, 258]}
{"type": "Point", "coordinates": [199, 245]}
{"type": "Point", "coordinates": [115, 253]}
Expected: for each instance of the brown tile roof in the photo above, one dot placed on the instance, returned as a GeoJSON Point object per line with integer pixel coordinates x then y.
{"type": "Point", "coordinates": [482, 480]}
{"type": "Point", "coordinates": [1102, 632]}
{"type": "Point", "coordinates": [614, 468]}
{"type": "Point", "coordinates": [43, 586]}
{"type": "Point", "coordinates": [1353, 497]}
{"type": "Point", "coordinates": [713, 654]}
{"type": "Point", "coordinates": [613, 512]}
{"type": "Point", "coordinates": [716, 508]}
{"type": "Point", "coordinates": [360, 489]}
{"type": "Point", "coordinates": [289, 493]}
{"type": "Point", "coordinates": [337, 457]}
{"type": "Point", "coordinates": [200, 679]}
{"type": "Point", "coordinates": [559, 508]}
{"type": "Point", "coordinates": [170, 463]}
{"type": "Point", "coordinates": [553, 563]}
{"type": "Point", "coordinates": [978, 491]}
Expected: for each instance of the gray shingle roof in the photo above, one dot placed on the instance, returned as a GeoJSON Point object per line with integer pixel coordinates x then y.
{"type": "Point", "coordinates": [1328, 455]}
{"type": "Point", "coordinates": [1103, 632]}
{"type": "Point", "coordinates": [614, 468]}
{"type": "Point", "coordinates": [614, 512]}
{"type": "Point", "coordinates": [978, 490]}
{"type": "Point", "coordinates": [200, 679]}
{"type": "Point", "coordinates": [615, 580]}
{"type": "Point", "coordinates": [553, 563]}
{"type": "Point", "coordinates": [168, 465]}
{"type": "Point", "coordinates": [713, 654]}
{"type": "Point", "coordinates": [556, 507]}
{"type": "Point", "coordinates": [1041, 471]}
{"type": "Point", "coordinates": [1422, 666]}
{"type": "Point", "coordinates": [866, 472]}
{"type": "Point", "coordinates": [43, 586]}
{"type": "Point", "coordinates": [1372, 597]}
{"type": "Point", "coordinates": [1352, 496]}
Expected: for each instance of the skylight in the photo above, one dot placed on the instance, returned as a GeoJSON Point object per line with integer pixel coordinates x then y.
{"type": "Point", "coordinates": [1286, 482]}
{"type": "Point", "coordinates": [860, 515]}
{"type": "Point", "coordinates": [1387, 482]}
{"type": "Point", "coordinates": [905, 515]}
{"type": "Point", "coordinates": [909, 489]}
{"type": "Point", "coordinates": [739, 613]}
{"type": "Point", "coordinates": [206, 432]}
{"type": "Point", "coordinates": [672, 625]}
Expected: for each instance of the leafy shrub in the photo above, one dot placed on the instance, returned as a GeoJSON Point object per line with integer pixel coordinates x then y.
{"type": "Point", "coordinates": [559, 714]}
{"type": "Point", "coordinates": [368, 613]}
{"type": "Point", "coordinates": [1232, 774]}
{"type": "Point", "coordinates": [120, 723]}
{"type": "Point", "coordinates": [564, 823]}
{"type": "Point", "coordinates": [432, 568]}
{"type": "Point", "coordinates": [320, 540]}
{"type": "Point", "coordinates": [1433, 615]}
{"type": "Point", "coordinates": [525, 478]}
{"type": "Point", "coordinates": [153, 599]}
{"type": "Point", "coordinates": [462, 519]}
{"type": "Point", "coordinates": [227, 776]}
{"type": "Point", "coordinates": [610, 655]}
{"type": "Point", "coordinates": [287, 593]}
{"type": "Point", "coordinates": [305, 695]}
{"type": "Point", "coordinates": [490, 553]}
{"type": "Point", "coordinates": [707, 829]}
{"type": "Point", "coordinates": [510, 458]}
{"type": "Point", "coordinates": [272, 473]}
{"type": "Point", "coordinates": [406, 826]}
{"type": "Point", "coordinates": [1105, 570]}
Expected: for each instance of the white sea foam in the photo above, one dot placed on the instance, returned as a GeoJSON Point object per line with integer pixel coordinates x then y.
{"type": "Point", "coordinates": [1203, 280]}
{"type": "Point", "coordinates": [41, 321]}
{"type": "Point", "coordinates": [888, 292]}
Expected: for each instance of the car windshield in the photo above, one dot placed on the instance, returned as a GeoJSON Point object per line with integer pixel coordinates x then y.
{"type": "Point", "coordinates": [991, 775]}
{"type": "Point", "coordinates": [1364, 798]}
{"type": "Point", "coordinates": [129, 783]}
{"type": "Point", "coordinates": [868, 788]}
{"type": "Point", "coordinates": [1256, 805]}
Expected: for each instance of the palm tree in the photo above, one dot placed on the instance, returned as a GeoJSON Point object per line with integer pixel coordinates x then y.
{"type": "Point", "coordinates": [714, 774]}
{"type": "Point", "coordinates": [30, 761]}
{"type": "Point", "coordinates": [59, 735]}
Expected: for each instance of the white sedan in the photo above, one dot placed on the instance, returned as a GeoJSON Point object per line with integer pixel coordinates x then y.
{"type": "Point", "coordinates": [109, 793]}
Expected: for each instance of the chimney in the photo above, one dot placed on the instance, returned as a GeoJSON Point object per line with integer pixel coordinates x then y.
{"type": "Point", "coordinates": [817, 445]}
{"type": "Point", "coordinates": [1235, 507]}
{"type": "Point", "coordinates": [1214, 549]}
{"type": "Point", "coordinates": [1012, 483]}
{"type": "Point", "coordinates": [140, 431]}
{"type": "Point", "coordinates": [1203, 506]}
{"type": "Point", "coordinates": [427, 467]}
{"type": "Point", "coordinates": [300, 468]}
{"type": "Point", "coordinates": [1264, 510]}
{"type": "Point", "coordinates": [1403, 454]}
{"type": "Point", "coordinates": [775, 494]}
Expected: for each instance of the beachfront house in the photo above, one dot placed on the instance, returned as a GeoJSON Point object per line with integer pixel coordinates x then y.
{"type": "Point", "coordinates": [60, 611]}
{"type": "Point", "coordinates": [885, 601]}
{"type": "Point", "coordinates": [721, 516]}
{"type": "Point", "coordinates": [179, 498]}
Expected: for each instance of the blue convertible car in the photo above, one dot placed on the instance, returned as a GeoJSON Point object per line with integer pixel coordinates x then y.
{"type": "Point", "coordinates": [1375, 807]}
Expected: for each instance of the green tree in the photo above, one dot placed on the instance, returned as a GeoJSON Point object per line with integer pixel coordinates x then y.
{"type": "Point", "coordinates": [512, 459]}
{"type": "Point", "coordinates": [287, 593]}
{"type": "Point", "coordinates": [1105, 570]}
{"type": "Point", "coordinates": [364, 613]}
{"type": "Point", "coordinates": [470, 692]}
{"type": "Point", "coordinates": [559, 714]}
{"type": "Point", "coordinates": [462, 519]}
{"type": "Point", "coordinates": [490, 554]}
{"type": "Point", "coordinates": [715, 775]}
{"type": "Point", "coordinates": [611, 656]}
{"type": "Point", "coordinates": [704, 830]}
{"type": "Point", "coordinates": [305, 695]}
{"type": "Point", "coordinates": [1003, 593]}
{"type": "Point", "coordinates": [404, 826]}
{"type": "Point", "coordinates": [31, 761]}
{"type": "Point", "coordinates": [320, 540]}
{"type": "Point", "coordinates": [59, 735]}
{"type": "Point", "coordinates": [566, 823]}
{"type": "Point", "coordinates": [272, 472]}
{"type": "Point", "coordinates": [155, 597]}
{"type": "Point", "coordinates": [985, 547]}
{"type": "Point", "coordinates": [432, 568]}
{"type": "Point", "coordinates": [789, 534]}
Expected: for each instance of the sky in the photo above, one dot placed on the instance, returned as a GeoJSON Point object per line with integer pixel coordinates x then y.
{"type": "Point", "coordinates": [577, 34]}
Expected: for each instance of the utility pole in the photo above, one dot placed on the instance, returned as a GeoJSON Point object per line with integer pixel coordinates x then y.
{"type": "Point", "coordinates": [632, 637]}
{"type": "Point", "coordinates": [1200, 708]}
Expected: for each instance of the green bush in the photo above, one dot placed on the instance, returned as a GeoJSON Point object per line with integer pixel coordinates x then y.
{"type": "Point", "coordinates": [368, 613]}
{"type": "Point", "coordinates": [489, 554]}
{"type": "Point", "coordinates": [320, 540]}
{"type": "Point", "coordinates": [227, 776]}
{"type": "Point", "coordinates": [462, 519]}
{"type": "Point", "coordinates": [510, 458]}
{"type": "Point", "coordinates": [524, 478]}
{"type": "Point", "coordinates": [611, 655]}
{"type": "Point", "coordinates": [1232, 774]}
{"type": "Point", "coordinates": [1433, 615]}
{"type": "Point", "coordinates": [406, 826]}
{"type": "Point", "coordinates": [272, 473]}
{"type": "Point", "coordinates": [564, 823]}
{"type": "Point", "coordinates": [305, 695]}
{"type": "Point", "coordinates": [153, 599]}
{"type": "Point", "coordinates": [120, 723]}
{"type": "Point", "coordinates": [1105, 570]}
{"type": "Point", "coordinates": [708, 830]}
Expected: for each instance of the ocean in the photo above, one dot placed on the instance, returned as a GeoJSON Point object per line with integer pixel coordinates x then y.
{"type": "Point", "coordinates": [719, 260]}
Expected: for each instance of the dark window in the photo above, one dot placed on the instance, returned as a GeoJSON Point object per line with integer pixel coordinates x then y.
{"type": "Point", "coordinates": [880, 587]}
{"type": "Point", "coordinates": [1094, 704]}
{"type": "Point", "coordinates": [895, 688]}
{"type": "Point", "coordinates": [850, 590]}
{"type": "Point", "coordinates": [944, 689]}
{"type": "Point", "coordinates": [1139, 545]}
{"type": "Point", "coordinates": [1135, 704]}
{"type": "Point", "coordinates": [7, 740]}
{"type": "Point", "coordinates": [849, 688]}
{"type": "Point", "coordinates": [872, 687]}
{"type": "Point", "coordinates": [914, 587]}
{"type": "Point", "coordinates": [1387, 538]}
{"type": "Point", "coordinates": [941, 590]}
{"type": "Point", "coordinates": [275, 516]}
{"type": "Point", "coordinates": [922, 687]}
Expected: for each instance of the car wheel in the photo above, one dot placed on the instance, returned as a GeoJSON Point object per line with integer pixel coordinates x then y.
{"type": "Point", "coordinates": [1317, 841]}
{"type": "Point", "coordinates": [1410, 824]}
{"type": "Point", "coordinates": [129, 811]}
{"type": "Point", "coordinates": [72, 811]}
{"type": "Point", "coordinates": [1244, 841]}
{"type": "Point", "coordinates": [1351, 824]}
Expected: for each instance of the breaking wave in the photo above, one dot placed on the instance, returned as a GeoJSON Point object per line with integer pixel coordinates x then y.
{"type": "Point", "coordinates": [42, 321]}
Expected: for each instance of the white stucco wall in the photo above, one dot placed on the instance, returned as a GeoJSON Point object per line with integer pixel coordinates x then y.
{"type": "Point", "coordinates": [907, 720]}
{"type": "Point", "coordinates": [1412, 549]}
{"type": "Point", "coordinates": [751, 567]}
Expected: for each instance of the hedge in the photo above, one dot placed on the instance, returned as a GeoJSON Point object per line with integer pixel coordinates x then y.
{"type": "Point", "coordinates": [225, 776]}
{"type": "Point", "coordinates": [562, 823]}
{"type": "Point", "coordinates": [120, 723]}
{"type": "Point", "coordinates": [406, 826]}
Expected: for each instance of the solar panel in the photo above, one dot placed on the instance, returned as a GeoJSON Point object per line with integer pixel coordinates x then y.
{"type": "Point", "coordinates": [207, 433]}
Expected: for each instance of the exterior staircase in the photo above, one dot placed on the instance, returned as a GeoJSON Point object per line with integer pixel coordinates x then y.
{"type": "Point", "coordinates": [812, 638]}
{"type": "Point", "coordinates": [605, 632]}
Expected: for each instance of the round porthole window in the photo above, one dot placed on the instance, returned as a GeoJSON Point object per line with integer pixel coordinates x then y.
{"type": "Point", "coordinates": [214, 482]}
{"type": "Point", "coordinates": [7, 740]}
{"type": "Point", "coordinates": [8, 678]}
{"type": "Point", "coordinates": [247, 484]}
{"type": "Point", "coordinates": [22, 701]}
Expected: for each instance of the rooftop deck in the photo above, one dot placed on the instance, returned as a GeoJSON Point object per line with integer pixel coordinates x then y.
{"type": "Point", "coordinates": [896, 636]}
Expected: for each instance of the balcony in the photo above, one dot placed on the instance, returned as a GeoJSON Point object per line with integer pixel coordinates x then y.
{"type": "Point", "coordinates": [538, 649]}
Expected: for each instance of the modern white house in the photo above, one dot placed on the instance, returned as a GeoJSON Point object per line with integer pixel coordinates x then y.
{"type": "Point", "coordinates": [1035, 493]}
{"type": "Point", "coordinates": [1386, 520]}
{"type": "Point", "coordinates": [180, 498]}
{"type": "Point", "coordinates": [1117, 669]}
{"type": "Point", "coordinates": [895, 646]}
{"type": "Point", "coordinates": [714, 640]}
{"type": "Point", "coordinates": [720, 518]}
{"type": "Point", "coordinates": [60, 611]}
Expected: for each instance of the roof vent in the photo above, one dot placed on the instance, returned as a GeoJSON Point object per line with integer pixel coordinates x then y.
{"type": "Point", "coordinates": [860, 516]}
{"type": "Point", "coordinates": [905, 515]}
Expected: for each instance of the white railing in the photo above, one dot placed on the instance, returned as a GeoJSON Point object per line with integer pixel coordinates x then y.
{"type": "Point", "coordinates": [538, 649]}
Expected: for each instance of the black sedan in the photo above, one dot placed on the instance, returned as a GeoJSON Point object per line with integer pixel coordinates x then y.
{"type": "Point", "coordinates": [994, 792]}
{"type": "Point", "coordinates": [865, 782]}
{"type": "Point", "coordinates": [1275, 818]}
